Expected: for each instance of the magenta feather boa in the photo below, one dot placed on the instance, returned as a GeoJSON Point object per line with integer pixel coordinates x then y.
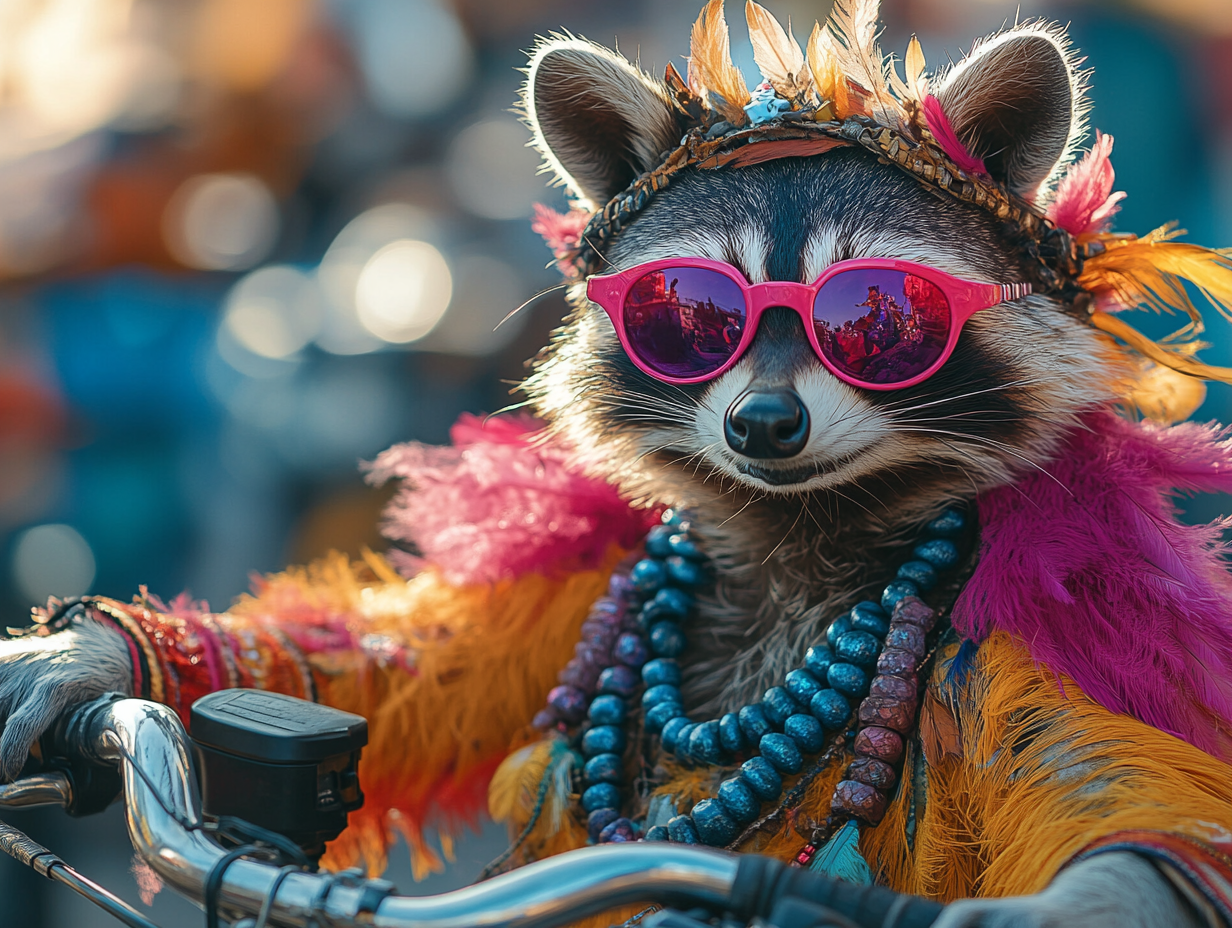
{"type": "Point", "coordinates": [1088, 565]}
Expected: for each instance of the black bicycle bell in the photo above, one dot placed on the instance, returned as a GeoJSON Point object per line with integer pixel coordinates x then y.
{"type": "Point", "coordinates": [286, 764]}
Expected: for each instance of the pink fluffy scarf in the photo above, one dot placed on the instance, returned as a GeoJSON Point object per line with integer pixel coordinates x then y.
{"type": "Point", "coordinates": [1085, 562]}
{"type": "Point", "coordinates": [1088, 565]}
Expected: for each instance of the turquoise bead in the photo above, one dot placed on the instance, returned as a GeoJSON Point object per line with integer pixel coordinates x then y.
{"type": "Point", "coordinates": [604, 768]}
{"type": "Point", "coordinates": [601, 796]}
{"type": "Point", "coordinates": [739, 800]}
{"type": "Point", "coordinates": [859, 648]}
{"type": "Point", "coordinates": [753, 723]}
{"type": "Point", "coordinates": [781, 752]}
{"type": "Point", "coordinates": [667, 640]}
{"type": "Point", "coordinates": [673, 519]}
{"type": "Point", "coordinates": [896, 590]}
{"type": "Point", "coordinates": [704, 744]}
{"type": "Point", "coordinates": [938, 552]}
{"type": "Point", "coordinates": [673, 602]}
{"type": "Point", "coordinates": [818, 660]}
{"type": "Point", "coordinates": [806, 732]}
{"type": "Point", "coordinates": [948, 524]}
{"type": "Point", "coordinates": [656, 540]}
{"type": "Point", "coordinates": [872, 620]}
{"type": "Point", "coordinates": [802, 685]}
{"type": "Point", "coordinates": [686, 547]}
{"type": "Point", "coordinates": [660, 715]}
{"type": "Point", "coordinates": [730, 735]}
{"type": "Point", "coordinates": [671, 731]}
{"type": "Point", "coordinates": [921, 573]}
{"type": "Point", "coordinates": [682, 830]}
{"type": "Point", "coordinates": [831, 709]}
{"type": "Point", "coordinates": [683, 572]}
{"type": "Point", "coordinates": [664, 692]}
{"type": "Point", "coordinates": [607, 710]}
{"type": "Point", "coordinates": [764, 781]}
{"type": "Point", "coordinates": [661, 670]}
{"type": "Point", "coordinates": [603, 739]}
{"type": "Point", "coordinates": [682, 741]}
{"type": "Point", "coordinates": [648, 575]}
{"type": "Point", "coordinates": [847, 679]}
{"type": "Point", "coordinates": [838, 627]}
{"type": "Point", "coordinates": [713, 824]}
{"type": "Point", "coordinates": [778, 704]}
{"type": "Point", "coordinates": [657, 833]}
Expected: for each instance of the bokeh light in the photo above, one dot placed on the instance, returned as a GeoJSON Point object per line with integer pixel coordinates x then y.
{"type": "Point", "coordinates": [52, 560]}
{"type": "Point", "coordinates": [486, 291]}
{"type": "Point", "coordinates": [274, 311]}
{"type": "Point", "coordinates": [342, 331]}
{"type": "Point", "coordinates": [403, 290]}
{"type": "Point", "coordinates": [492, 171]}
{"type": "Point", "coordinates": [415, 57]}
{"type": "Point", "coordinates": [221, 222]}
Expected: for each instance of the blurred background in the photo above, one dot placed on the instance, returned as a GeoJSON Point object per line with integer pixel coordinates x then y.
{"type": "Point", "coordinates": [245, 244]}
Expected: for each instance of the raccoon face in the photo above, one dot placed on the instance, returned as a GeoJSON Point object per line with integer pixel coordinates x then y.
{"type": "Point", "coordinates": [778, 424]}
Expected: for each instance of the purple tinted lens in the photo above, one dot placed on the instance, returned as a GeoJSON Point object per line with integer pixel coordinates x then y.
{"type": "Point", "coordinates": [881, 326]}
{"type": "Point", "coordinates": [684, 321]}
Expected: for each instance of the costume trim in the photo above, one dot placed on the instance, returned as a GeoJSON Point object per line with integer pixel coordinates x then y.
{"type": "Point", "coordinates": [1203, 868]}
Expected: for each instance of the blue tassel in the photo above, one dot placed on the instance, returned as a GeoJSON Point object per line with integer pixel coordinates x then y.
{"type": "Point", "coordinates": [841, 857]}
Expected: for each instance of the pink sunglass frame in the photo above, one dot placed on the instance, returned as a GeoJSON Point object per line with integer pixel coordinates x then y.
{"type": "Point", "coordinates": [965, 298]}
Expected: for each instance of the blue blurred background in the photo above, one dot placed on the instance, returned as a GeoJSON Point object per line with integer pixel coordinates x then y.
{"type": "Point", "coordinates": [245, 245]}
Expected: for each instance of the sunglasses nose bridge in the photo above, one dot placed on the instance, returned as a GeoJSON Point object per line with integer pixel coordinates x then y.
{"type": "Point", "coordinates": [789, 295]}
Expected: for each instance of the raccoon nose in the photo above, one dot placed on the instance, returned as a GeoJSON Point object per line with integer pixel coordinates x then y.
{"type": "Point", "coordinates": [767, 424]}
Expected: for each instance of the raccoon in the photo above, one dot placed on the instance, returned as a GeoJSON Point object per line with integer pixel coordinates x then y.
{"type": "Point", "coordinates": [800, 484]}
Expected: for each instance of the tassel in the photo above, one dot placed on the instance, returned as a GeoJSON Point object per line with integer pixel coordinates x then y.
{"type": "Point", "coordinates": [841, 857]}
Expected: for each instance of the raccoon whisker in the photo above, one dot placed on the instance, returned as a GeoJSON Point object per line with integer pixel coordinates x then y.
{"type": "Point", "coordinates": [749, 502]}
{"type": "Point", "coordinates": [961, 396]}
{"type": "Point", "coordinates": [992, 443]}
{"type": "Point", "coordinates": [514, 312]}
{"type": "Point", "coordinates": [504, 409]}
{"type": "Point", "coordinates": [602, 257]}
{"type": "Point", "coordinates": [803, 506]}
{"type": "Point", "coordinates": [855, 502]}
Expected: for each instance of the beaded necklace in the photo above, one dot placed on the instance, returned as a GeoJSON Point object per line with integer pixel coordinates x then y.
{"type": "Point", "coordinates": [862, 683]}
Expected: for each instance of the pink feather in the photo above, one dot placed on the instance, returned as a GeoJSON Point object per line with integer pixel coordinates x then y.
{"type": "Point", "coordinates": [947, 138]}
{"type": "Point", "coordinates": [1088, 565]}
{"type": "Point", "coordinates": [1084, 201]}
{"type": "Point", "coordinates": [500, 503]}
{"type": "Point", "coordinates": [562, 232]}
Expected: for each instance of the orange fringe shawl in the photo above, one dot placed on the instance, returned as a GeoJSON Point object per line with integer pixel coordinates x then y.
{"type": "Point", "coordinates": [446, 676]}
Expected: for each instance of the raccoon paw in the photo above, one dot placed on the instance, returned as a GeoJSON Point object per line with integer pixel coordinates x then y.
{"type": "Point", "coordinates": [41, 677]}
{"type": "Point", "coordinates": [1115, 890]}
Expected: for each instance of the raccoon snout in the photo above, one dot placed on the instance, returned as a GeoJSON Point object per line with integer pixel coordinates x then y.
{"type": "Point", "coordinates": [767, 424]}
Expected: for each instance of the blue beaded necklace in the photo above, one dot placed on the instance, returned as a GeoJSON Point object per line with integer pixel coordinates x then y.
{"type": "Point", "coordinates": [865, 672]}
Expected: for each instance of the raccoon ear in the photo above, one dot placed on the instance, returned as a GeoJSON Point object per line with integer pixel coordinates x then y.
{"type": "Point", "coordinates": [1017, 102]}
{"type": "Point", "coordinates": [598, 121]}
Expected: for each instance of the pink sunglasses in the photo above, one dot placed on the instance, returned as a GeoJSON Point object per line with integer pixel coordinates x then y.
{"type": "Point", "coordinates": [877, 323]}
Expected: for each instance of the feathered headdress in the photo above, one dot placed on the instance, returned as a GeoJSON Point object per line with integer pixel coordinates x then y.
{"type": "Point", "coordinates": [840, 90]}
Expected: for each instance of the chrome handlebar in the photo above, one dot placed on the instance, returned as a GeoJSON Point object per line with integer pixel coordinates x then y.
{"type": "Point", "coordinates": [163, 808]}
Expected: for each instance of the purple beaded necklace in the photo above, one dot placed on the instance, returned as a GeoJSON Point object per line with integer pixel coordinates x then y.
{"type": "Point", "coordinates": [871, 658]}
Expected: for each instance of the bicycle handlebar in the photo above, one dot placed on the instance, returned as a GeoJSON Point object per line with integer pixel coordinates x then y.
{"type": "Point", "coordinates": [164, 818]}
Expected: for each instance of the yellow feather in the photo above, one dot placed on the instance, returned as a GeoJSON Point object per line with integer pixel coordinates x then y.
{"type": "Point", "coordinates": [1152, 272]}
{"type": "Point", "coordinates": [712, 76]}
{"type": "Point", "coordinates": [1165, 395]}
{"type": "Point", "coordinates": [777, 53]}
{"type": "Point", "coordinates": [828, 79]}
{"type": "Point", "coordinates": [853, 25]}
{"type": "Point", "coordinates": [917, 83]}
